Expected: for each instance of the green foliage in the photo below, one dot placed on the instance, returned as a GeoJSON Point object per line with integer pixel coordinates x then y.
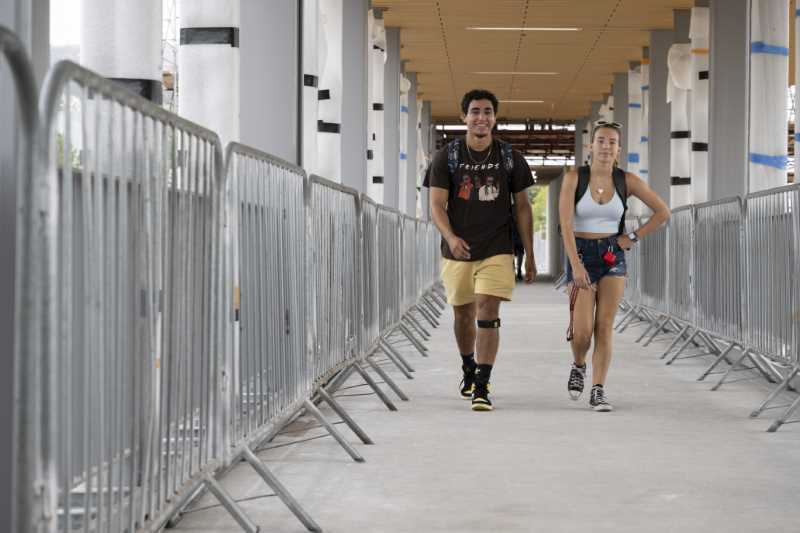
{"type": "Point", "coordinates": [538, 196]}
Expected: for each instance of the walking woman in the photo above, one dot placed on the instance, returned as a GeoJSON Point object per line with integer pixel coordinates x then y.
{"type": "Point", "coordinates": [592, 208]}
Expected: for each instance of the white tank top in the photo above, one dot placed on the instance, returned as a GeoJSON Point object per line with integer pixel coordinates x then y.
{"type": "Point", "coordinates": [591, 217]}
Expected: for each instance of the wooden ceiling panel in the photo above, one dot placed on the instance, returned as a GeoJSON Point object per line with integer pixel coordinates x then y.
{"type": "Point", "coordinates": [446, 55]}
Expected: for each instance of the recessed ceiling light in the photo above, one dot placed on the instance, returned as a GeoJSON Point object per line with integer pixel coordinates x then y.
{"type": "Point", "coordinates": [485, 28]}
{"type": "Point", "coordinates": [518, 73]}
{"type": "Point", "coordinates": [522, 101]}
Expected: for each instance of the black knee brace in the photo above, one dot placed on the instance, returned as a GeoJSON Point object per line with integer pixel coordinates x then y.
{"type": "Point", "coordinates": [491, 324]}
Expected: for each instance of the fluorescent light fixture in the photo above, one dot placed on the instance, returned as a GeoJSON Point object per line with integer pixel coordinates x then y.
{"type": "Point", "coordinates": [486, 28]}
{"type": "Point", "coordinates": [517, 73]}
{"type": "Point", "coordinates": [522, 101]}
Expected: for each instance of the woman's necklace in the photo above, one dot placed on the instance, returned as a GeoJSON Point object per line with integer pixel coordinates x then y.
{"type": "Point", "coordinates": [485, 159]}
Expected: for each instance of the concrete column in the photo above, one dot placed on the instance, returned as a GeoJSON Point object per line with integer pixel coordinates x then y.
{"type": "Point", "coordinates": [729, 89]}
{"type": "Point", "coordinates": [679, 94]}
{"type": "Point", "coordinates": [411, 148]}
{"type": "Point", "coordinates": [391, 116]}
{"type": "Point", "coordinates": [375, 129]}
{"type": "Point", "coordinates": [329, 108]}
{"type": "Point", "coordinates": [310, 74]}
{"type": "Point", "coordinates": [208, 82]}
{"type": "Point", "coordinates": [266, 27]}
{"type": "Point", "coordinates": [30, 20]}
{"type": "Point", "coordinates": [659, 112]}
{"type": "Point", "coordinates": [426, 134]}
{"type": "Point", "coordinates": [121, 40]}
{"type": "Point", "coordinates": [554, 243]}
{"type": "Point", "coordinates": [354, 93]}
{"type": "Point", "coordinates": [621, 114]}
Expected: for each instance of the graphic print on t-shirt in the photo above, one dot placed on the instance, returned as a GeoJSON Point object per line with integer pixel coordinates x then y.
{"type": "Point", "coordinates": [465, 189]}
{"type": "Point", "coordinates": [489, 192]}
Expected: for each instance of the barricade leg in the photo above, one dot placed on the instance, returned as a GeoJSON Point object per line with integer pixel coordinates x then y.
{"type": "Point", "coordinates": [316, 413]}
{"type": "Point", "coordinates": [412, 321]}
{"type": "Point", "coordinates": [397, 357]}
{"type": "Point", "coordinates": [657, 323]}
{"type": "Point", "coordinates": [418, 345]}
{"type": "Point", "coordinates": [774, 394]}
{"type": "Point", "coordinates": [732, 368]}
{"type": "Point", "coordinates": [713, 350]}
{"type": "Point", "coordinates": [427, 315]}
{"type": "Point", "coordinates": [371, 382]}
{"type": "Point", "coordinates": [432, 304]}
{"type": "Point", "coordinates": [658, 330]}
{"type": "Point", "coordinates": [230, 504]}
{"type": "Point", "coordinates": [270, 479]}
{"type": "Point", "coordinates": [387, 379]}
{"type": "Point", "coordinates": [623, 318]}
{"type": "Point", "coordinates": [720, 357]}
{"type": "Point", "coordinates": [676, 340]}
{"type": "Point", "coordinates": [784, 418]}
{"type": "Point", "coordinates": [339, 410]}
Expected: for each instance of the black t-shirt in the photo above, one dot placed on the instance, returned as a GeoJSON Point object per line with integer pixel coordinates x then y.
{"type": "Point", "coordinates": [479, 205]}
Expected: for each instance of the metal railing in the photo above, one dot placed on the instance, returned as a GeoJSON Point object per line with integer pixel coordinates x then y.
{"type": "Point", "coordinates": [731, 286]}
{"type": "Point", "coordinates": [178, 308]}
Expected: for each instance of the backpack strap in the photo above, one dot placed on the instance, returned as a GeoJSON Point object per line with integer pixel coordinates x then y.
{"type": "Point", "coordinates": [507, 155]}
{"type": "Point", "coordinates": [583, 182]}
{"type": "Point", "coordinates": [621, 185]}
{"type": "Point", "coordinates": [453, 148]}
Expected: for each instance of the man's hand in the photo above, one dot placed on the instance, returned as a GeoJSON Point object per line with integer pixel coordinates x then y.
{"type": "Point", "coordinates": [530, 268]}
{"type": "Point", "coordinates": [458, 247]}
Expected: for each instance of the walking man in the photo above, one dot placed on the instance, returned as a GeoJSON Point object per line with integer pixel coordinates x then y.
{"type": "Point", "coordinates": [477, 264]}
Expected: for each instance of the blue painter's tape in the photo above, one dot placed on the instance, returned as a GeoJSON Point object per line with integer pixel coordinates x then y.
{"type": "Point", "coordinates": [403, 109]}
{"type": "Point", "coordinates": [797, 13]}
{"type": "Point", "coordinates": [760, 47]}
{"type": "Point", "coordinates": [635, 105]}
{"type": "Point", "coordinates": [645, 87]}
{"type": "Point", "coordinates": [774, 161]}
{"type": "Point", "coordinates": [644, 139]}
{"type": "Point", "coordinates": [633, 157]}
{"type": "Point", "coordinates": [797, 137]}
{"type": "Point", "coordinates": [643, 171]}
{"type": "Point", "coordinates": [403, 156]}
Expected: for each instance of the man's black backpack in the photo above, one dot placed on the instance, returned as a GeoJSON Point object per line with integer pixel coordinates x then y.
{"type": "Point", "coordinates": [619, 184]}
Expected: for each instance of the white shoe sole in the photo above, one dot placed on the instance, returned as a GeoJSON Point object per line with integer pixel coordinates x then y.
{"type": "Point", "coordinates": [603, 408]}
{"type": "Point", "coordinates": [574, 396]}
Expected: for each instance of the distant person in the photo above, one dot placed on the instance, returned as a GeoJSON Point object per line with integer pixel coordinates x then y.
{"type": "Point", "coordinates": [477, 265]}
{"type": "Point", "coordinates": [592, 208]}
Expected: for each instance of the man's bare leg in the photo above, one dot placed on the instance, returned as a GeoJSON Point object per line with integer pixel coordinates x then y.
{"type": "Point", "coordinates": [488, 338]}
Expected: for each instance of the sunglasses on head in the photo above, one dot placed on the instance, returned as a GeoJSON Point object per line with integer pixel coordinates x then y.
{"type": "Point", "coordinates": [605, 124]}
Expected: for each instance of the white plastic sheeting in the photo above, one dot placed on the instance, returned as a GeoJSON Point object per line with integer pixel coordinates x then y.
{"type": "Point", "coordinates": [405, 87]}
{"type": "Point", "coordinates": [329, 143]}
{"type": "Point", "coordinates": [769, 80]}
{"type": "Point", "coordinates": [644, 166]}
{"type": "Point", "coordinates": [208, 84]}
{"type": "Point", "coordinates": [310, 91]}
{"type": "Point", "coordinates": [698, 33]}
{"type": "Point", "coordinates": [377, 63]}
{"type": "Point", "coordinates": [585, 141]}
{"type": "Point", "coordinates": [679, 84]}
{"type": "Point", "coordinates": [606, 111]}
{"type": "Point", "coordinates": [796, 95]}
{"type": "Point", "coordinates": [634, 119]}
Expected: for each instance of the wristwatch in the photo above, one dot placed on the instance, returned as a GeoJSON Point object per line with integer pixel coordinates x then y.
{"type": "Point", "coordinates": [633, 237]}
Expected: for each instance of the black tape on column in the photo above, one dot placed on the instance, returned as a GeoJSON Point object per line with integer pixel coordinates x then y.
{"type": "Point", "coordinates": [369, 155]}
{"type": "Point", "coordinates": [377, 107]}
{"type": "Point", "coordinates": [681, 181]}
{"type": "Point", "coordinates": [680, 134]}
{"type": "Point", "coordinates": [324, 94]}
{"type": "Point", "coordinates": [377, 179]}
{"type": "Point", "coordinates": [228, 36]}
{"type": "Point", "coordinates": [328, 127]}
{"type": "Point", "coordinates": [699, 147]}
{"type": "Point", "coordinates": [702, 75]}
{"type": "Point", "coordinates": [309, 80]}
{"type": "Point", "coordinates": [150, 89]}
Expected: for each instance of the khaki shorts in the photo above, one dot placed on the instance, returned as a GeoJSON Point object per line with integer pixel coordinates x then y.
{"type": "Point", "coordinates": [493, 276]}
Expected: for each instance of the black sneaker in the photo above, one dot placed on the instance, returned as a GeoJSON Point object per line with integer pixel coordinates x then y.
{"type": "Point", "coordinates": [597, 400]}
{"type": "Point", "coordinates": [480, 397]}
{"type": "Point", "coordinates": [575, 383]}
{"type": "Point", "coordinates": [467, 382]}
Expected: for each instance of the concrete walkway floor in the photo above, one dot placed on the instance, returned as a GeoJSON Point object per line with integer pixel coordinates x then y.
{"type": "Point", "coordinates": [672, 457]}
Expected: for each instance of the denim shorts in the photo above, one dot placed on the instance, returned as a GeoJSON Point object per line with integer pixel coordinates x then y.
{"type": "Point", "coordinates": [591, 251]}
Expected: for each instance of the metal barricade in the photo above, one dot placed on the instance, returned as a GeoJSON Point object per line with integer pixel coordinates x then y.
{"type": "Point", "coordinates": [334, 259]}
{"type": "Point", "coordinates": [34, 480]}
{"type": "Point", "coordinates": [653, 270]}
{"type": "Point", "coordinates": [371, 273]}
{"type": "Point", "coordinates": [680, 289]}
{"type": "Point", "coordinates": [266, 289]}
{"type": "Point", "coordinates": [409, 263]}
{"type": "Point", "coordinates": [134, 206]}
{"type": "Point", "coordinates": [771, 262]}
{"type": "Point", "coordinates": [718, 266]}
{"type": "Point", "coordinates": [633, 285]}
{"type": "Point", "coordinates": [389, 267]}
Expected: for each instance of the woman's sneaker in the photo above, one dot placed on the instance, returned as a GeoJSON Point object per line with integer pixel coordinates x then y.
{"type": "Point", "coordinates": [467, 382]}
{"type": "Point", "coordinates": [575, 383]}
{"type": "Point", "coordinates": [597, 400]}
{"type": "Point", "coordinates": [480, 397]}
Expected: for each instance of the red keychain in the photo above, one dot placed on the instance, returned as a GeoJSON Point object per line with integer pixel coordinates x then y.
{"type": "Point", "coordinates": [610, 257]}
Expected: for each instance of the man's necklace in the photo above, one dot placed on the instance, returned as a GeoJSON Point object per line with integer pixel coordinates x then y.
{"type": "Point", "coordinates": [469, 153]}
